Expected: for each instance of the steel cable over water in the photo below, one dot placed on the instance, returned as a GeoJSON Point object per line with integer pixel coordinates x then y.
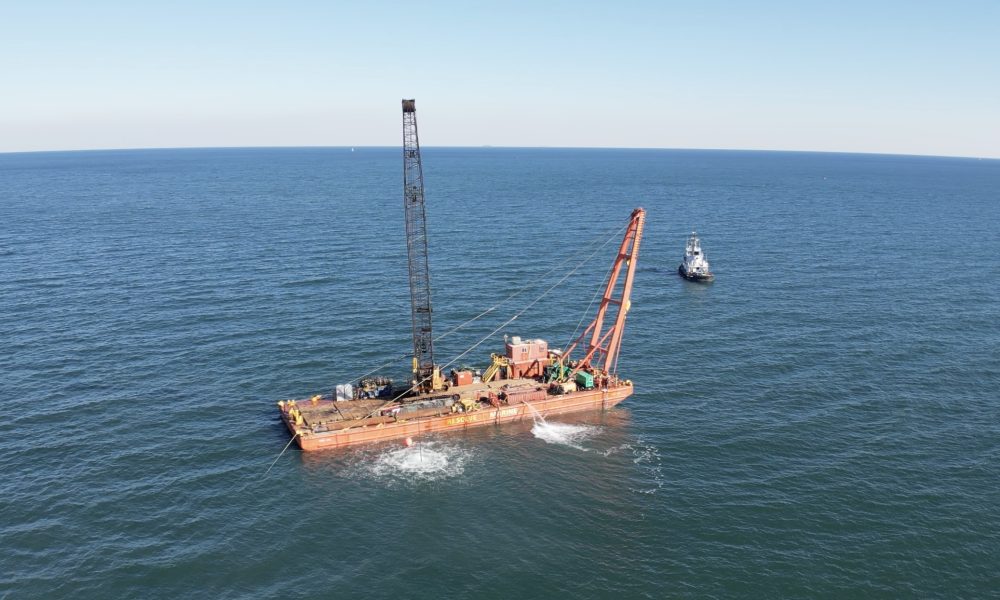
{"type": "Point", "coordinates": [280, 454]}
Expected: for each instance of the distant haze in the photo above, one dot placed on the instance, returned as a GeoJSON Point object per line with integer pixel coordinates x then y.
{"type": "Point", "coordinates": [892, 77]}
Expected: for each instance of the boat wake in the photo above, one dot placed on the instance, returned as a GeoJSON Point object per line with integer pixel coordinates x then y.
{"type": "Point", "coordinates": [423, 461]}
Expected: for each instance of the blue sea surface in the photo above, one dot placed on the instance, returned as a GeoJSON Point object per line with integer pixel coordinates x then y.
{"type": "Point", "coordinates": [821, 421]}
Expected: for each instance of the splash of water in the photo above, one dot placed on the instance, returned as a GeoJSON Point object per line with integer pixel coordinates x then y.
{"type": "Point", "coordinates": [559, 433]}
{"type": "Point", "coordinates": [537, 416]}
{"type": "Point", "coordinates": [423, 461]}
{"type": "Point", "coordinates": [563, 433]}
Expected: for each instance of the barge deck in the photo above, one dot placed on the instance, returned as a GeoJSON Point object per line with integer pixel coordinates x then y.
{"type": "Point", "coordinates": [325, 422]}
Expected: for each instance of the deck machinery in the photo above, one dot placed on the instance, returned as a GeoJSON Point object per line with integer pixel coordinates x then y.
{"type": "Point", "coordinates": [529, 378]}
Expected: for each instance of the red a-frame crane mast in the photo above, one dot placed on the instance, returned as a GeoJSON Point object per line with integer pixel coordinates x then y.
{"type": "Point", "coordinates": [604, 344]}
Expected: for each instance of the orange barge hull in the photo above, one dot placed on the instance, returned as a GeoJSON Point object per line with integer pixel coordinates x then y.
{"type": "Point", "coordinates": [595, 399]}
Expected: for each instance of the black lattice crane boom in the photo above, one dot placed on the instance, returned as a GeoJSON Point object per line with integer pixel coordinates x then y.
{"type": "Point", "coordinates": [426, 376]}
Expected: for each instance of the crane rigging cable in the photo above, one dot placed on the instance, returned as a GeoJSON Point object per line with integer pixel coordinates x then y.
{"type": "Point", "coordinates": [586, 311]}
{"type": "Point", "coordinates": [602, 238]}
{"type": "Point", "coordinates": [535, 301]}
{"type": "Point", "coordinates": [512, 319]}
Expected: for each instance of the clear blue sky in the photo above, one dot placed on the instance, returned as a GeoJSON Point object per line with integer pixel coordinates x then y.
{"type": "Point", "coordinates": [900, 77]}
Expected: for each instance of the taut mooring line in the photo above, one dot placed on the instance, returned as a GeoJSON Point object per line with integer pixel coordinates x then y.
{"type": "Point", "coordinates": [281, 454]}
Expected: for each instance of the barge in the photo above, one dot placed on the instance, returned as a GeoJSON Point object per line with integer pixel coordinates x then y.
{"type": "Point", "coordinates": [327, 423]}
{"type": "Point", "coordinates": [528, 379]}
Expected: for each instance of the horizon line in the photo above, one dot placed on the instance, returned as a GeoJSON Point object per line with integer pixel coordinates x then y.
{"type": "Point", "coordinates": [490, 146]}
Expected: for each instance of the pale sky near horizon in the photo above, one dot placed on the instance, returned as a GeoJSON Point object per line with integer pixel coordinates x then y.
{"type": "Point", "coordinates": [880, 76]}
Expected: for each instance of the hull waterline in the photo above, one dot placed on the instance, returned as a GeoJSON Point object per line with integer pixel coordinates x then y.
{"type": "Point", "coordinates": [695, 277]}
{"type": "Point", "coordinates": [586, 400]}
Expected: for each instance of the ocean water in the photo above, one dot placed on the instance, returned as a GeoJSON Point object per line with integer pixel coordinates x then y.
{"type": "Point", "coordinates": [821, 421]}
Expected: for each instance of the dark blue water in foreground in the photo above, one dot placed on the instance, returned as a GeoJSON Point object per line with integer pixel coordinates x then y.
{"type": "Point", "coordinates": [822, 421]}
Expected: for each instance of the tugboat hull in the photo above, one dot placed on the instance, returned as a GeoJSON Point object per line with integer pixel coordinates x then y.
{"type": "Point", "coordinates": [695, 276]}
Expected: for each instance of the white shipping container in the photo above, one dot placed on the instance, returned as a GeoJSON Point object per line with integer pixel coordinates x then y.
{"type": "Point", "coordinates": [345, 391]}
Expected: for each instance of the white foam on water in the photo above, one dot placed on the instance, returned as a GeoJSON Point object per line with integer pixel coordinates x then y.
{"type": "Point", "coordinates": [648, 462]}
{"type": "Point", "coordinates": [423, 461]}
{"type": "Point", "coordinates": [617, 449]}
{"type": "Point", "coordinates": [647, 457]}
{"type": "Point", "coordinates": [559, 433]}
{"type": "Point", "coordinates": [563, 433]}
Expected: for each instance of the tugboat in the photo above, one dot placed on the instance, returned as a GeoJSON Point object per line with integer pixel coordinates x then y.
{"type": "Point", "coordinates": [695, 267]}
